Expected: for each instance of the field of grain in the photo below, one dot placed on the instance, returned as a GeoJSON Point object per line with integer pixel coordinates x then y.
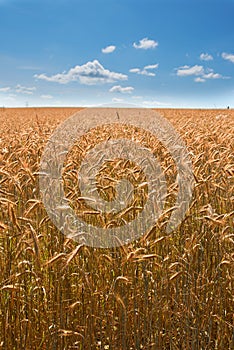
{"type": "Point", "coordinates": [164, 291]}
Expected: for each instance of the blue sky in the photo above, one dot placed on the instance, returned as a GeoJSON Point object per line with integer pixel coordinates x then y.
{"type": "Point", "coordinates": [152, 53]}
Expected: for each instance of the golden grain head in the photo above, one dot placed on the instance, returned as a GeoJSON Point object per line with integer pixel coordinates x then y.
{"type": "Point", "coordinates": [160, 292]}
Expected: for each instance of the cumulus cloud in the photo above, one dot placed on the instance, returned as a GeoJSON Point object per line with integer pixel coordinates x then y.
{"type": "Point", "coordinates": [142, 72]}
{"type": "Point", "coordinates": [199, 80]}
{"type": "Point", "coordinates": [228, 57]}
{"type": "Point", "coordinates": [146, 44]}
{"type": "Point", "coordinates": [187, 70]}
{"type": "Point", "coordinates": [122, 90]}
{"type": "Point", "coordinates": [212, 75]}
{"type": "Point", "coordinates": [90, 73]}
{"type": "Point", "coordinates": [5, 89]}
{"type": "Point", "coordinates": [109, 49]}
{"type": "Point", "coordinates": [206, 57]}
{"type": "Point", "coordinates": [145, 70]}
{"type": "Point", "coordinates": [201, 74]}
{"type": "Point", "coordinates": [47, 97]}
{"type": "Point", "coordinates": [24, 90]}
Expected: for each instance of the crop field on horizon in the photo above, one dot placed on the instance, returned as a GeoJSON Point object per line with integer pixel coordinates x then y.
{"type": "Point", "coordinates": [167, 291]}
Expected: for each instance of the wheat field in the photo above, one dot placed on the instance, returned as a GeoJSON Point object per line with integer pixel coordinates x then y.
{"type": "Point", "coordinates": [163, 291]}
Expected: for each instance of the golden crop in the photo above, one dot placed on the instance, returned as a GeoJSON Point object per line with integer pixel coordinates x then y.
{"type": "Point", "coordinates": [164, 291]}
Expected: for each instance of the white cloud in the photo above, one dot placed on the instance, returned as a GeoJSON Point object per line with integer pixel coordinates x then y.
{"type": "Point", "coordinates": [117, 100]}
{"type": "Point", "coordinates": [200, 72]}
{"type": "Point", "coordinates": [186, 71]}
{"type": "Point", "coordinates": [5, 89]}
{"type": "Point", "coordinates": [135, 70]}
{"type": "Point", "coordinates": [46, 97]}
{"type": "Point", "coordinates": [146, 44]}
{"type": "Point", "coordinates": [199, 80]}
{"type": "Point", "coordinates": [122, 90]}
{"type": "Point", "coordinates": [154, 103]}
{"type": "Point", "coordinates": [206, 57]}
{"type": "Point", "coordinates": [212, 75]}
{"type": "Point", "coordinates": [228, 57]}
{"type": "Point", "coordinates": [151, 66]}
{"type": "Point", "coordinates": [90, 73]}
{"type": "Point", "coordinates": [24, 90]}
{"type": "Point", "coordinates": [145, 70]}
{"type": "Point", "coordinates": [109, 49]}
